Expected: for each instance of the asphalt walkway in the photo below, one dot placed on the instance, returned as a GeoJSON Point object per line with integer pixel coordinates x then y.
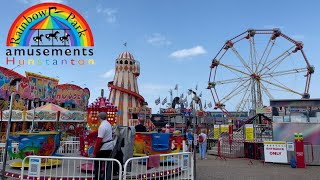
{"type": "Point", "coordinates": [241, 169]}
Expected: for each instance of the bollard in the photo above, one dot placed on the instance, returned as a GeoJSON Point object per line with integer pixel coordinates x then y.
{"type": "Point", "coordinates": [298, 140]}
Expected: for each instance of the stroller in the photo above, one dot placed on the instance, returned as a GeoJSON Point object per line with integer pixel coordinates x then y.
{"type": "Point", "coordinates": [122, 151]}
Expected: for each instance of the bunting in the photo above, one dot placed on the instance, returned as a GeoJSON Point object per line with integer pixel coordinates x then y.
{"type": "Point", "coordinates": [157, 101]}
{"type": "Point", "coordinates": [164, 101]}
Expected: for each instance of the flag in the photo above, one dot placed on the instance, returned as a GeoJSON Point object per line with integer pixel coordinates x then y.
{"type": "Point", "coordinates": [170, 92]}
{"type": "Point", "coordinates": [185, 103]}
{"type": "Point", "coordinates": [200, 95]}
{"type": "Point", "coordinates": [185, 99]}
{"type": "Point", "coordinates": [125, 44]}
{"type": "Point", "coordinates": [210, 105]}
{"type": "Point", "coordinates": [157, 101]}
{"type": "Point", "coordinates": [181, 96]}
{"type": "Point", "coordinates": [189, 91]}
{"type": "Point", "coordinates": [205, 105]}
{"type": "Point", "coordinates": [176, 87]}
{"type": "Point", "coordinates": [196, 87]}
{"type": "Point", "coordinates": [164, 101]}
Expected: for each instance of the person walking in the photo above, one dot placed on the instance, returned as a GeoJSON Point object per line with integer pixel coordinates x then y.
{"type": "Point", "coordinates": [104, 145]}
{"type": "Point", "coordinates": [202, 139]}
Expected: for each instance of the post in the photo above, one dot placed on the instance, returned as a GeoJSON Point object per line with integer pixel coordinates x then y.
{"type": "Point", "coordinates": [194, 113]}
{"type": "Point", "coordinates": [194, 147]}
{"type": "Point", "coordinates": [7, 138]}
{"type": "Point", "coordinates": [35, 101]}
{"type": "Point", "coordinates": [34, 115]}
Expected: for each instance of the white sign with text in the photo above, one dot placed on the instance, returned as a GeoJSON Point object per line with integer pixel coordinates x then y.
{"type": "Point", "coordinates": [275, 151]}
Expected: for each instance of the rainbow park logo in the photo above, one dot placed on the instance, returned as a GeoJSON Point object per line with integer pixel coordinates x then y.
{"type": "Point", "coordinates": [49, 34]}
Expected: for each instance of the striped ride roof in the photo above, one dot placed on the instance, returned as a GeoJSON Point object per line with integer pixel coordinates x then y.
{"type": "Point", "coordinates": [126, 55]}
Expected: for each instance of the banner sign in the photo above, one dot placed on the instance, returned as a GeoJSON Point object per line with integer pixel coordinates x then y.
{"type": "Point", "coordinates": [216, 131]}
{"type": "Point", "coordinates": [17, 115]}
{"type": "Point", "coordinates": [275, 151]}
{"type": "Point", "coordinates": [224, 128]}
{"type": "Point", "coordinates": [73, 116]}
{"type": "Point", "coordinates": [249, 132]}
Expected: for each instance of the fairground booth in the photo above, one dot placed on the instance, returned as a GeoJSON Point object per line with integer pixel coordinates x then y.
{"type": "Point", "coordinates": [298, 116]}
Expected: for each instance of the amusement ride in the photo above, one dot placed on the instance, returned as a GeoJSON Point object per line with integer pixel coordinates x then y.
{"type": "Point", "coordinates": [256, 66]}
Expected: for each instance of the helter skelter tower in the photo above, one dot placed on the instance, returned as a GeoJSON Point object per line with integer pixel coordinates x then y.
{"type": "Point", "coordinates": [124, 92]}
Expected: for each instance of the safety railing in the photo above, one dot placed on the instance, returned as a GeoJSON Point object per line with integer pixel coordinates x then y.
{"type": "Point", "coordinates": [2, 151]}
{"type": "Point", "coordinates": [80, 168]}
{"type": "Point", "coordinates": [69, 147]}
{"type": "Point", "coordinates": [165, 166]}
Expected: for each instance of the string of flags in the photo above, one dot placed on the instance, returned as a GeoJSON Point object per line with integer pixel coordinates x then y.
{"type": "Point", "coordinates": [164, 101]}
{"type": "Point", "coordinates": [157, 101]}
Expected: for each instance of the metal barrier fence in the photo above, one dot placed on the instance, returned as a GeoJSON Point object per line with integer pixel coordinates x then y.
{"type": "Point", "coordinates": [66, 147]}
{"type": "Point", "coordinates": [165, 166]}
{"type": "Point", "coordinates": [2, 151]}
{"type": "Point", "coordinates": [76, 168]}
{"type": "Point", "coordinates": [69, 147]}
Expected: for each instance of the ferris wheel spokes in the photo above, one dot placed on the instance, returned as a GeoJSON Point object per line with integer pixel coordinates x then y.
{"type": "Point", "coordinates": [241, 60]}
{"type": "Point", "coordinates": [235, 91]}
{"type": "Point", "coordinates": [282, 87]}
{"type": "Point", "coordinates": [234, 69]}
{"type": "Point", "coordinates": [283, 73]}
{"type": "Point", "coordinates": [232, 80]}
{"type": "Point", "coordinates": [244, 100]}
{"type": "Point", "coordinates": [283, 56]}
{"type": "Point", "coordinates": [264, 52]}
{"type": "Point", "coordinates": [266, 91]}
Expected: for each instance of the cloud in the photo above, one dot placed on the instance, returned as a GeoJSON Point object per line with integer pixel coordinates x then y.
{"type": "Point", "coordinates": [110, 14]}
{"type": "Point", "coordinates": [158, 39]}
{"type": "Point", "coordinates": [109, 74]}
{"type": "Point", "coordinates": [187, 53]}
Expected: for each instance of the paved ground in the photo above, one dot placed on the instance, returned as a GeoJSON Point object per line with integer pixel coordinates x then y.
{"type": "Point", "coordinates": [240, 169]}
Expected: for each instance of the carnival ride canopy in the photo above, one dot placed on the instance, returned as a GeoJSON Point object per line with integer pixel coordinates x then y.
{"type": "Point", "coordinates": [50, 107]}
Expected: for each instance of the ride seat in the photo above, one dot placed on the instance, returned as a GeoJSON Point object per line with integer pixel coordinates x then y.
{"type": "Point", "coordinates": [161, 142]}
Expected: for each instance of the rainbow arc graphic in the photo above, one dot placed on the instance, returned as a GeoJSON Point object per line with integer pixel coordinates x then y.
{"type": "Point", "coordinates": [62, 27]}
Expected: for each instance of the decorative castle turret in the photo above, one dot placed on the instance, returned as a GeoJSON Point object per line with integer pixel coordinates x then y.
{"type": "Point", "coordinates": [124, 92]}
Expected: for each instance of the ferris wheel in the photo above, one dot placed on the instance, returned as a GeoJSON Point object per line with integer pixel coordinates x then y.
{"type": "Point", "coordinates": [256, 66]}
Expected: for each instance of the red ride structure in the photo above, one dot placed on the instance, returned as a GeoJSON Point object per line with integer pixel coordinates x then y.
{"type": "Point", "coordinates": [253, 67]}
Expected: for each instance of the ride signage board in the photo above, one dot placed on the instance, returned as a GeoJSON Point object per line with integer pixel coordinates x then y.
{"type": "Point", "coordinates": [34, 167]}
{"type": "Point", "coordinates": [275, 151]}
{"type": "Point", "coordinates": [249, 132]}
{"type": "Point", "coordinates": [216, 131]}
